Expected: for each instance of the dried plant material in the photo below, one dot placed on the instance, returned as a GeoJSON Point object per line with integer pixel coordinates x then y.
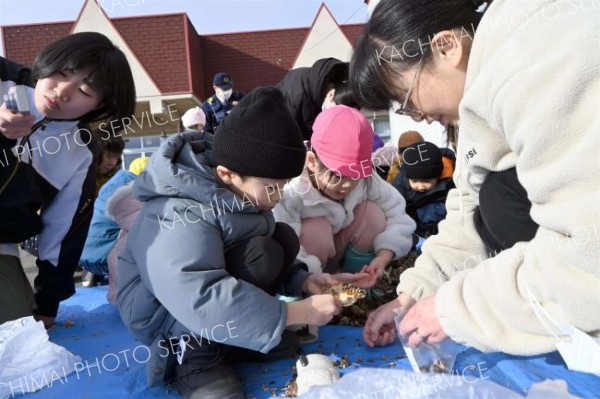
{"type": "Point", "coordinates": [291, 389]}
{"type": "Point", "coordinates": [438, 367]}
{"type": "Point", "coordinates": [347, 294]}
{"type": "Point", "coordinates": [356, 315]}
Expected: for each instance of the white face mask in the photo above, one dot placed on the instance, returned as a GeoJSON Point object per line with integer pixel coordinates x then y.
{"type": "Point", "coordinates": [224, 95]}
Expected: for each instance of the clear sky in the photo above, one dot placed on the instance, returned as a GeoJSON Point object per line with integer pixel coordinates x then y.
{"type": "Point", "coordinates": [208, 16]}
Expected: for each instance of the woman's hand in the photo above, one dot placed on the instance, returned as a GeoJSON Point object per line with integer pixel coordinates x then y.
{"type": "Point", "coordinates": [380, 329]}
{"type": "Point", "coordinates": [421, 323]}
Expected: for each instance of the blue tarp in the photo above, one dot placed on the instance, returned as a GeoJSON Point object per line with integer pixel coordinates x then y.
{"type": "Point", "coordinates": [112, 363]}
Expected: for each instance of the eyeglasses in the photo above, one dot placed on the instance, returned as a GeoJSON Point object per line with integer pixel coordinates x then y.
{"type": "Point", "coordinates": [403, 110]}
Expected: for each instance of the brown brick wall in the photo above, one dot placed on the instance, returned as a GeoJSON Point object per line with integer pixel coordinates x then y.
{"type": "Point", "coordinates": [22, 43]}
{"type": "Point", "coordinates": [159, 44]}
{"type": "Point", "coordinates": [196, 61]}
{"type": "Point", "coordinates": [252, 58]}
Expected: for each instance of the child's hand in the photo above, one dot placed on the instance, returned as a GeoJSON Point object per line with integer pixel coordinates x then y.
{"type": "Point", "coordinates": [14, 125]}
{"type": "Point", "coordinates": [372, 272]}
{"type": "Point", "coordinates": [369, 279]}
{"type": "Point", "coordinates": [316, 310]}
{"type": "Point", "coordinates": [320, 283]}
{"type": "Point", "coordinates": [375, 269]}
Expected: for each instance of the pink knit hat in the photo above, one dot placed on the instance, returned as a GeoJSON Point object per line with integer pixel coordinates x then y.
{"type": "Point", "coordinates": [343, 138]}
{"type": "Point", "coordinates": [193, 117]}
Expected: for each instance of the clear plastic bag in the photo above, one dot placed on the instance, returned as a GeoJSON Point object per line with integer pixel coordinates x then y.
{"type": "Point", "coordinates": [437, 358]}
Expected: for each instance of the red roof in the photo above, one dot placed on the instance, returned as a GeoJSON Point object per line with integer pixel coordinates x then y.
{"type": "Point", "coordinates": [253, 59]}
{"type": "Point", "coordinates": [352, 32]}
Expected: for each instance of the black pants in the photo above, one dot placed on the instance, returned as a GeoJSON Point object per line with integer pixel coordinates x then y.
{"type": "Point", "coordinates": [503, 216]}
{"type": "Point", "coordinates": [264, 261]}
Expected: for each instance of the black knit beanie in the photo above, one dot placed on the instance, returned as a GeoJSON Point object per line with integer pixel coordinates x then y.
{"type": "Point", "coordinates": [422, 160]}
{"type": "Point", "coordinates": [260, 138]}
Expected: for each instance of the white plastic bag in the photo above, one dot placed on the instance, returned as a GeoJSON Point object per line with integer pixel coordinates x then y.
{"type": "Point", "coordinates": [318, 370]}
{"type": "Point", "coordinates": [555, 389]}
{"type": "Point", "coordinates": [28, 360]}
{"type": "Point", "coordinates": [370, 383]}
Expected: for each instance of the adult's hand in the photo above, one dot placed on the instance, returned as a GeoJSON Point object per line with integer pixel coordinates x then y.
{"type": "Point", "coordinates": [380, 329]}
{"type": "Point", "coordinates": [421, 323]}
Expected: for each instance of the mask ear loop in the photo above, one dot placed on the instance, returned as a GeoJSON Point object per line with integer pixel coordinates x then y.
{"type": "Point", "coordinates": [541, 313]}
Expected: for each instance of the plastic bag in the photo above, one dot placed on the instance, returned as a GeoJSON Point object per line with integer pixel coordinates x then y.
{"type": "Point", "coordinates": [28, 361]}
{"type": "Point", "coordinates": [437, 358]}
{"type": "Point", "coordinates": [555, 389]}
{"type": "Point", "coordinates": [370, 383]}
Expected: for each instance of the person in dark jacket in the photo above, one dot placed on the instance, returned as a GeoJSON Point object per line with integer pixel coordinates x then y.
{"type": "Point", "coordinates": [308, 90]}
{"type": "Point", "coordinates": [219, 105]}
{"type": "Point", "coordinates": [205, 257]}
{"type": "Point", "coordinates": [421, 184]}
{"type": "Point", "coordinates": [48, 163]}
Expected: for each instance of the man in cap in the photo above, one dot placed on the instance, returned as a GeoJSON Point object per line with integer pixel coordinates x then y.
{"type": "Point", "coordinates": [220, 104]}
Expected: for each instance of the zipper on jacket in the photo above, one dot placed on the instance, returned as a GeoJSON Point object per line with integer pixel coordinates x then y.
{"type": "Point", "coordinates": [41, 124]}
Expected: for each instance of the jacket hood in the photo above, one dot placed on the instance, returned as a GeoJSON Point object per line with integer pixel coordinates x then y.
{"type": "Point", "coordinates": [183, 168]}
{"type": "Point", "coordinates": [122, 206]}
{"type": "Point", "coordinates": [320, 73]}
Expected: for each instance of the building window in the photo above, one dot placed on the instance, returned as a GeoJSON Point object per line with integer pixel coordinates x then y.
{"type": "Point", "coordinates": [136, 147]}
{"type": "Point", "coordinates": [381, 126]}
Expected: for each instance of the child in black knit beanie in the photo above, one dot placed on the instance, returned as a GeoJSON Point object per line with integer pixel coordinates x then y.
{"type": "Point", "coordinates": [421, 185]}
{"type": "Point", "coordinates": [205, 258]}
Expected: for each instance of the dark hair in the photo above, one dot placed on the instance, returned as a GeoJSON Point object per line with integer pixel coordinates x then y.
{"type": "Point", "coordinates": [111, 75]}
{"type": "Point", "coordinates": [343, 95]}
{"type": "Point", "coordinates": [114, 145]}
{"type": "Point", "coordinates": [337, 75]}
{"type": "Point", "coordinates": [396, 36]}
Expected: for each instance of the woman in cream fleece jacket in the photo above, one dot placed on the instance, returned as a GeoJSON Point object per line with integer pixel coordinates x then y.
{"type": "Point", "coordinates": [524, 84]}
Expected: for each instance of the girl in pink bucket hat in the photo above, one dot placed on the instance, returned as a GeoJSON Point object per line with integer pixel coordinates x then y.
{"type": "Point", "coordinates": [346, 216]}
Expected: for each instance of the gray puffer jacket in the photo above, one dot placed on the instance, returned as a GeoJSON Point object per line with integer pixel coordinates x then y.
{"type": "Point", "coordinates": [173, 267]}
